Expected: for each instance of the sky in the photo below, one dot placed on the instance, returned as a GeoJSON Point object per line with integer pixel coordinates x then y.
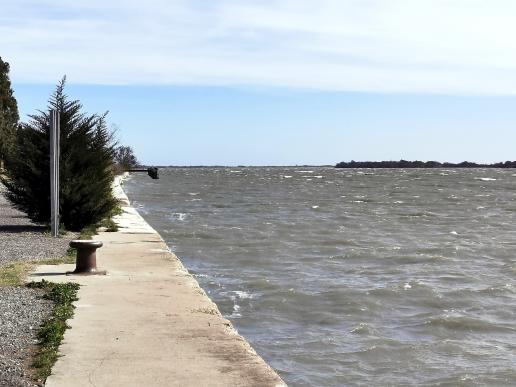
{"type": "Point", "coordinates": [270, 82]}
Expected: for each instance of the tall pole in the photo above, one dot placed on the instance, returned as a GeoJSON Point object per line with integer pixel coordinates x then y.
{"type": "Point", "coordinates": [54, 172]}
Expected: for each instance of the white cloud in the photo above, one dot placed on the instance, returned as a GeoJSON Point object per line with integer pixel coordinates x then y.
{"type": "Point", "coordinates": [437, 46]}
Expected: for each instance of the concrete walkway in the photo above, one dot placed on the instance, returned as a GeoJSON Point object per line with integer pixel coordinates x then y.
{"type": "Point", "coordinates": [148, 323]}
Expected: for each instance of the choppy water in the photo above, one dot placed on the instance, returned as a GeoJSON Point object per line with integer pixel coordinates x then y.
{"type": "Point", "coordinates": [352, 277]}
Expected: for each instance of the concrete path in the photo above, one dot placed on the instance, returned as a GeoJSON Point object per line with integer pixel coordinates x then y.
{"type": "Point", "coordinates": [148, 323]}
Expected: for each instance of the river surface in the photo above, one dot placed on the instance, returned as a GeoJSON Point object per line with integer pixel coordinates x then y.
{"type": "Point", "coordinates": [344, 277]}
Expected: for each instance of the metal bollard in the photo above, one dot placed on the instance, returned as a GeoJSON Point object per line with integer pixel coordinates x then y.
{"type": "Point", "coordinates": [86, 261]}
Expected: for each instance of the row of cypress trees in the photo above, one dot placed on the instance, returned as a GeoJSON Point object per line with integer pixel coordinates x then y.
{"type": "Point", "coordinates": [87, 165]}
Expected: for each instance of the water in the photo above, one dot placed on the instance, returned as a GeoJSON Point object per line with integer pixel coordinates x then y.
{"type": "Point", "coordinates": [352, 277]}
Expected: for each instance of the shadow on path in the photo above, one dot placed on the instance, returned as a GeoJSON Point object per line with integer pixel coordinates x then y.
{"type": "Point", "coordinates": [19, 228]}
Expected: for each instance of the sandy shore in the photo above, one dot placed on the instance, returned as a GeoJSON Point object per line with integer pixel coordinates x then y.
{"type": "Point", "coordinates": [148, 322]}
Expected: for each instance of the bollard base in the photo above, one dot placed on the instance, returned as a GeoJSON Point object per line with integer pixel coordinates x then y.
{"type": "Point", "coordinates": [90, 272]}
{"type": "Point", "coordinates": [86, 261]}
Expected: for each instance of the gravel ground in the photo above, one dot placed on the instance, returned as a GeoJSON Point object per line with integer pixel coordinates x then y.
{"type": "Point", "coordinates": [22, 310]}
{"type": "Point", "coordinates": [21, 240]}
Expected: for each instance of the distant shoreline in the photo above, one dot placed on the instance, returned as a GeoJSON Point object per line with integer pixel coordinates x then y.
{"type": "Point", "coordinates": [358, 164]}
{"type": "Point", "coordinates": [421, 164]}
{"type": "Point", "coordinates": [244, 166]}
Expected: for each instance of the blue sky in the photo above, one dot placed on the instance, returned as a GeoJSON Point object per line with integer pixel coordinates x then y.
{"type": "Point", "coordinates": [278, 82]}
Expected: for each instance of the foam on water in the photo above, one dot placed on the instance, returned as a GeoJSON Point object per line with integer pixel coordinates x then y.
{"type": "Point", "coordinates": [485, 178]}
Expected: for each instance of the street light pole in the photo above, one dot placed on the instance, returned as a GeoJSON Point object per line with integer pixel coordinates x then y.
{"type": "Point", "coordinates": [54, 172]}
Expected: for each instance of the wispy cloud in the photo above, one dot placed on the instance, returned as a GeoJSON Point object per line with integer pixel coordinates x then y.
{"type": "Point", "coordinates": [427, 46]}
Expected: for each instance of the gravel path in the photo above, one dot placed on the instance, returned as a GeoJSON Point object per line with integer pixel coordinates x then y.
{"type": "Point", "coordinates": [22, 310]}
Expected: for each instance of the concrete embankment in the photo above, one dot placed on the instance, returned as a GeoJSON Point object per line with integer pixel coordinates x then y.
{"type": "Point", "coordinates": [148, 323]}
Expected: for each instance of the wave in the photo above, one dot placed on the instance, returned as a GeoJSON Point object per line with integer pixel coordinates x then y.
{"type": "Point", "coordinates": [467, 324]}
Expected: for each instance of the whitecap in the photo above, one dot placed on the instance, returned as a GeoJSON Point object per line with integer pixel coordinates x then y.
{"type": "Point", "coordinates": [485, 178]}
{"type": "Point", "coordinates": [398, 202]}
{"type": "Point", "coordinates": [314, 207]}
{"type": "Point", "coordinates": [235, 171]}
{"type": "Point", "coordinates": [235, 313]}
{"type": "Point", "coordinates": [407, 286]}
{"type": "Point", "coordinates": [193, 193]}
{"type": "Point", "coordinates": [243, 295]}
{"type": "Point", "coordinates": [360, 328]}
{"type": "Point", "coordinates": [287, 177]}
{"type": "Point", "coordinates": [318, 177]}
{"type": "Point", "coordinates": [305, 171]}
{"type": "Point", "coordinates": [358, 201]}
{"type": "Point", "coordinates": [179, 216]}
{"type": "Point", "coordinates": [454, 232]}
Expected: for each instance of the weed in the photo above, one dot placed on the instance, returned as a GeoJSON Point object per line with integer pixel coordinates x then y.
{"type": "Point", "coordinates": [51, 333]}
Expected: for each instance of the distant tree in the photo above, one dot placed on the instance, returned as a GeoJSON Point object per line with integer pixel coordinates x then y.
{"type": "Point", "coordinates": [86, 166]}
{"type": "Point", "coordinates": [125, 158]}
{"type": "Point", "coordinates": [8, 112]}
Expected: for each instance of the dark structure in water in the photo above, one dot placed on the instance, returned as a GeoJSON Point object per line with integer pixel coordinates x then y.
{"type": "Point", "coordinates": [151, 171]}
{"type": "Point", "coordinates": [421, 164]}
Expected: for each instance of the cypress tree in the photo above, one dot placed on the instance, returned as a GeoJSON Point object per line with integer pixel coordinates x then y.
{"type": "Point", "coordinates": [86, 165]}
{"type": "Point", "coordinates": [8, 112]}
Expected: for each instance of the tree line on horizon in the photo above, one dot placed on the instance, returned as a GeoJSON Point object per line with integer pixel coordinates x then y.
{"type": "Point", "coordinates": [90, 157]}
{"type": "Point", "coordinates": [421, 164]}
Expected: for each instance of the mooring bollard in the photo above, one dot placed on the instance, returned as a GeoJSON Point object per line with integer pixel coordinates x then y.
{"type": "Point", "coordinates": [86, 261]}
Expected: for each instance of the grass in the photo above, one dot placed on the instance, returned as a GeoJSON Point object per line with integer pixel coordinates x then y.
{"type": "Point", "coordinates": [88, 232]}
{"type": "Point", "coordinates": [14, 274]}
{"type": "Point", "coordinates": [109, 225]}
{"type": "Point", "coordinates": [51, 333]}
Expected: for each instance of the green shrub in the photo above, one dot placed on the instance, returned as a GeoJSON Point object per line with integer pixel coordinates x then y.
{"type": "Point", "coordinates": [86, 166]}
